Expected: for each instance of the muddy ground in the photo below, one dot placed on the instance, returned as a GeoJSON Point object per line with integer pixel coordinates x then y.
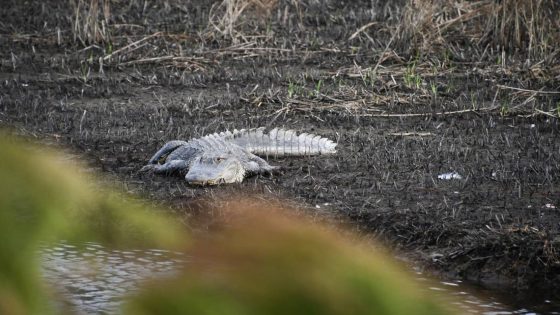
{"type": "Point", "coordinates": [398, 127]}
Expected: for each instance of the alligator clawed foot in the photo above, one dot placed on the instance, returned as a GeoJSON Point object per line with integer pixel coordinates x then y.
{"type": "Point", "coordinates": [278, 170]}
{"type": "Point", "coordinates": [147, 168]}
{"type": "Point", "coordinates": [274, 171]}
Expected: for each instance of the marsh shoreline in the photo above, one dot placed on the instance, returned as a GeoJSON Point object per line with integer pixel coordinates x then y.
{"type": "Point", "coordinates": [398, 129]}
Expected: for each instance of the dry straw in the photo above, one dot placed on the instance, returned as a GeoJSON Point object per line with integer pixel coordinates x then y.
{"type": "Point", "coordinates": [88, 27]}
{"type": "Point", "coordinates": [526, 26]}
{"type": "Point", "coordinates": [227, 17]}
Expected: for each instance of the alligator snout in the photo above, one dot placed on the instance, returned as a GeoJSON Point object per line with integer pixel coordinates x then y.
{"type": "Point", "coordinates": [205, 182]}
{"type": "Point", "coordinates": [206, 177]}
{"type": "Point", "coordinates": [196, 179]}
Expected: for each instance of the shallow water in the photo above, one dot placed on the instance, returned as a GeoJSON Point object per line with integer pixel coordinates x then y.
{"type": "Point", "coordinates": [92, 279]}
{"type": "Point", "coordinates": [473, 299]}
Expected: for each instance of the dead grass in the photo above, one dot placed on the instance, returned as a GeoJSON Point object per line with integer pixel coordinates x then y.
{"type": "Point", "coordinates": [91, 21]}
{"type": "Point", "coordinates": [227, 17]}
{"type": "Point", "coordinates": [531, 26]}
{"type": "Point", "coordinates": [524, 26]}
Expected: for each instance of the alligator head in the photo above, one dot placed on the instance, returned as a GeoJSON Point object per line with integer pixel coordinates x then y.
{"type": "Point", "coordinates": [210, 169]}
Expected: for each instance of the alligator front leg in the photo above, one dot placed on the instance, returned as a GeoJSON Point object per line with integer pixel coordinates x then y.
{"type": "Point", "coordinates": [167, 168]}
{"type": "Point", "coordinates": [166, 149]}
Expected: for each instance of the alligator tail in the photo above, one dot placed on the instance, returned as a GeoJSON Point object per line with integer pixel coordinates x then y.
{"type": "Point", "coordinates": [280, 142]}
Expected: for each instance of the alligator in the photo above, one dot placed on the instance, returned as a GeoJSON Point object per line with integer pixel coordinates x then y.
{"type": "Point", "coordinates": [230, 156]}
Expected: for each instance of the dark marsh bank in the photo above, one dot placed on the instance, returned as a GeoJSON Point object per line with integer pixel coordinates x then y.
{"type": "Point", "coordinates": [409, 90]}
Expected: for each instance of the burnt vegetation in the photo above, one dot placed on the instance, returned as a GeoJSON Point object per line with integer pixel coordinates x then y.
{"type": "Point", "coordinates": [409, 89]}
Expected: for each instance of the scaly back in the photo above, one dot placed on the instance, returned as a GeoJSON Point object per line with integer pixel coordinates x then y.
{"type": "Point", "coordinates": [279, 142]}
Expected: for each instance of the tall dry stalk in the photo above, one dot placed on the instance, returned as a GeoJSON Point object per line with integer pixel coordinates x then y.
{"type": "Point", "coordinates": [88, 28]}
{"type": "Point", "coordinates": [429, 25]}
{"type": "Point", "coordinates": [532, 26]}
{"type": "Point", "coordinates": [527, 26]}
{"type": "Point", "coordinates": [228, 16]}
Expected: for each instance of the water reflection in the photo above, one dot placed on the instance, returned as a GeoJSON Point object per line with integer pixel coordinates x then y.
{"type": "Point", "coordinates": [476, 300]}
{"type": "Point", "coordinates": [95, 280]}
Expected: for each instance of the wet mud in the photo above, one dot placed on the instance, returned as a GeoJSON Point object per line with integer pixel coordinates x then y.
{"type": "Point", "coordinates": [498, 224]}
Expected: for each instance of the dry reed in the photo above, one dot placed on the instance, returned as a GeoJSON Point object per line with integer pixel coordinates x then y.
{"type": "Point", "coordinates": [513, 26]}
{"type": "Point", "coordinates": [226, 17]}
{"type": "Point", "coordinates": [91, 21]}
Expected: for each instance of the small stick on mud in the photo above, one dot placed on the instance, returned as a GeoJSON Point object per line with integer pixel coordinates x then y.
{"type": "Point", "coordinates": [526, 90]}
{"type": "Point", "coordinates": [82, 120]}
{"type": "Point", "coordinates": [431, 114]}
{"type": "Point", "coordinates": [118, 51]}
{"type": "Point", "coordinates": [361, 29]}
{"type": "Point", "coordinates": [409, 134]}
{"type": "Point", "coordinates": [194, 62]}
{"type": "Point", "coordinates": [380, 60]}
{"type": "Point", "coordinates": [542, 112]}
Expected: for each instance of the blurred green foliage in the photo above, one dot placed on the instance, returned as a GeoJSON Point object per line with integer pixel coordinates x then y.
{"type": "Point", "coordinates": [264, 263]}
{"type": "Point", "coordinates": [42, 200]}
{"type": "Point", "coordinates": [259, 260]}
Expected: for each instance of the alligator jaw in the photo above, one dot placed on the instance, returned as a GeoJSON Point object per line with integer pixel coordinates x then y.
{"type": "Point", "coordinates": [199, 178]}
{"type": "Point", "coordinates": [207, 171]}
{"type": "Point", "coordinates": [197, 182]}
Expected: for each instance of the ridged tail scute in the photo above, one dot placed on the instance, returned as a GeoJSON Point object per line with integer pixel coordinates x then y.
{"type": "Point", "coordinates": [280, 142]}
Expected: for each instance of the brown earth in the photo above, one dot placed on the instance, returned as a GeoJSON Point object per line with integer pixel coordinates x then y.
{"type": "Point", "coordinates": [399, 123]}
